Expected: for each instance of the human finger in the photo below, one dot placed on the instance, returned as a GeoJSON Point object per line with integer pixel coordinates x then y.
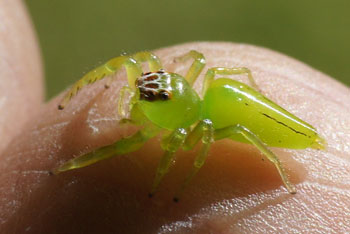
{"type": "Point", "coordinates": [234, 191]}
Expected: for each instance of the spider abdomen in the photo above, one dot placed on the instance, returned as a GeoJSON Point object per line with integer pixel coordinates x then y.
{"type": "Point", "coordinates": [228, 102]}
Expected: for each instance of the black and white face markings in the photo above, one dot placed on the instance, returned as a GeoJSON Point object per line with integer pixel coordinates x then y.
{"type": "Point", "coordinates": [154, 86]}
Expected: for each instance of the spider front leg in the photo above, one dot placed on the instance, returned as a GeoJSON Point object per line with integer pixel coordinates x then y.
{"type": "Point", "coordinates": [196, 67]}
{"type": "Point", "coordinates": [212, 72]}
{"type": "Point", "coordinates": [123, 146]}
{"type": "Point", "coordinates": [133, 69]}
{"type": "Point", "coordinates": [122, 99]}
{"type": "Point", "coordinates": [170, 144]}
{"type": "Point", "coordinates": [251, 137]}
{"type": "Point", "coordinates": [203, 131]}
{"type": "Point", "coordinates": [154, 63]}
{"type": "Point", "coordinates": [131, 64]}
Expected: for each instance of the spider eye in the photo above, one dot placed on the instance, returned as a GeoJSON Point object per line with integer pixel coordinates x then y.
{"type": "Point", "coordinates": [164, 95]}
{"type": "Point", "coordinates": [148, 96]}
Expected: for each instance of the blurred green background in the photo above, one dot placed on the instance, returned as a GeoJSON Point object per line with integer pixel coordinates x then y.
{"type": "Point", "coordinates": [77, 35]}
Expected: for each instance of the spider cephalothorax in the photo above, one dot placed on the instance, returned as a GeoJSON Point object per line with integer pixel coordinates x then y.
{"type": "Point", "coordinates": [154, 86]}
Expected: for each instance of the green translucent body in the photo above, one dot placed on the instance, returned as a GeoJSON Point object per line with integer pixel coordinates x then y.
{"type": "Point", "coordinates": [228, 102]}
{"type": "Point", "coordinates": [165, 103]}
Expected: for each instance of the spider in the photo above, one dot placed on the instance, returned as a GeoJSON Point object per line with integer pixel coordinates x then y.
{"type": "Point", "coordinates": [165, 102]}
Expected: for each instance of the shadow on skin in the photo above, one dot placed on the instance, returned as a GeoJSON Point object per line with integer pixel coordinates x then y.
{"type": "Point", "coordinates": [112, 194]}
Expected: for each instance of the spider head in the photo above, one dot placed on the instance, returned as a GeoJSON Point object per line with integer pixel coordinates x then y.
{"type": "Point", "coordinates": [167, 99]}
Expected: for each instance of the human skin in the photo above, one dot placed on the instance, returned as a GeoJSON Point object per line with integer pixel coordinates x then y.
{"type": "Point", "coordinates": [235, 191]}
{"type": "Point", "coordinates": [21, 86]}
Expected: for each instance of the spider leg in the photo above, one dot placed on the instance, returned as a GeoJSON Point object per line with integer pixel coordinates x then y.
{"type": "Point", "coordinates": [123, 146]}
{"type": "Point", "coordinates": [196, 67]}
{"type": "Point", "coordinates": [203, 131]}
{"type": "Point", "coordinates": [133, 69]}
{"type": "Point", "coordinates": [154, 63]}
{"type": "Point", "coordinates": [238, 129]}
{"type": "Point", "coordinates": [170, 144]}
{"type": "Point", "coordinates": [212, 72]}
{"type": "Point", "coordinates": [121, 100]}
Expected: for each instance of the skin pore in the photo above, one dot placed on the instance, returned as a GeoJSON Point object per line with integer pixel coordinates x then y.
{"type": "Point", "coordinates": [235, 191]}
